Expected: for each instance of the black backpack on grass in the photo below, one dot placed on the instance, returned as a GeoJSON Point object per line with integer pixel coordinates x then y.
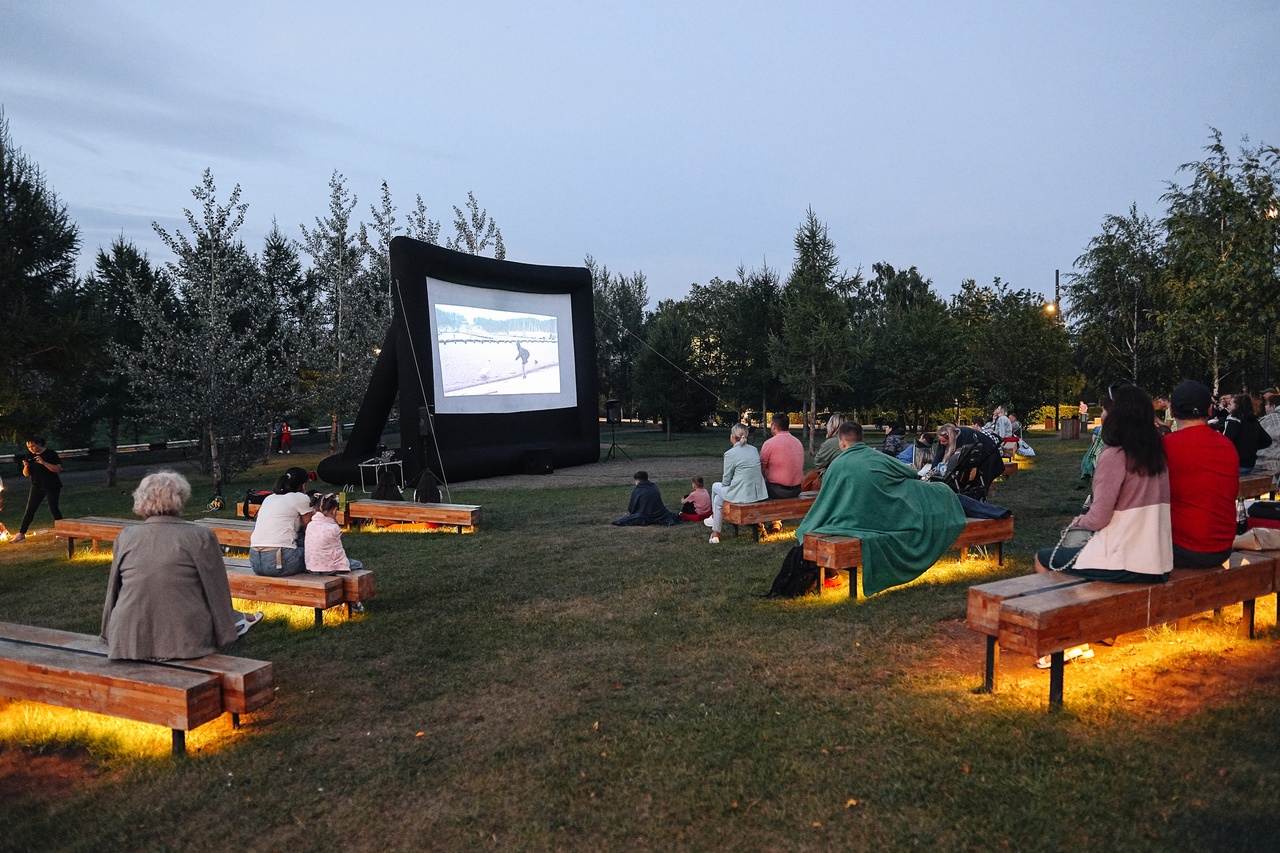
{"type": "Point", "coordinates": [797, 577]}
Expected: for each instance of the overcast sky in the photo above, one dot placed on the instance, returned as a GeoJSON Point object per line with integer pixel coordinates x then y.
{"type": "Point", "coordinates": [970, 140]}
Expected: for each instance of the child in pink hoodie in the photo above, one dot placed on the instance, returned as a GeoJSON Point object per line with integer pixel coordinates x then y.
{"type": "Point", "coordinates": [323, 548]}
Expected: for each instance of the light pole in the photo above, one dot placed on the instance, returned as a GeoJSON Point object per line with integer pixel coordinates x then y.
{"type": "Point", "coordinates": [1055, 308]}
{"type": "Point", "coordinates": [1272, 213]}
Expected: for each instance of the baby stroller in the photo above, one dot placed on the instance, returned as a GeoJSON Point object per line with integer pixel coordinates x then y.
{"type": "Point", "coordinates": [974, 468]}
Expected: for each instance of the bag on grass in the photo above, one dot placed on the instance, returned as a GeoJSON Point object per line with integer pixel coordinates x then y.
{"type": "Point", "coordinates": [797, 577]}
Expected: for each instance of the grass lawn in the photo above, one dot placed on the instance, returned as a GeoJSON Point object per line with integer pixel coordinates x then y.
{"type": "Point", "coordinates": [552, 682]}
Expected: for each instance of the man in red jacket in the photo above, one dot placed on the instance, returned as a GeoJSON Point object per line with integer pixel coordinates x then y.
{"type": "Point", "coordinates": [1204, 482]}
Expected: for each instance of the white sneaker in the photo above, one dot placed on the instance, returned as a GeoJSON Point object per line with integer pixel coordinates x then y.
{"type": "Point", "coordinates": [708, 521]}
{"type": "Point", "coordinates": [1073, 653]}
{"type": "Point", "coordinates": [715, 539]}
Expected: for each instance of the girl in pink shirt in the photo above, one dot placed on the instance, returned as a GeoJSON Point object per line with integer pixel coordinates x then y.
{"type": "Point", "coordinates": [697, 504]}
{"type": "Point", "coordinates": [323, 549]}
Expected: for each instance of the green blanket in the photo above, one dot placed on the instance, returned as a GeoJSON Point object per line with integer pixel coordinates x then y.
{"type": "Point", "coordinates": [905, 523]}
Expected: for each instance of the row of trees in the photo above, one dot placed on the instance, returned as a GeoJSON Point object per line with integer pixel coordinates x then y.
{"type": "Point", "coordinates": [1192, 295]}
{"type": "Point", "coordinates": [215, 343]}
{"type": "Point", "coordinates": [885, 347]}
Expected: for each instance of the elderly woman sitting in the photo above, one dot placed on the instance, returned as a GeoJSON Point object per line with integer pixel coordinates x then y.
{"type": "Point", "coordinates": [167, 595]}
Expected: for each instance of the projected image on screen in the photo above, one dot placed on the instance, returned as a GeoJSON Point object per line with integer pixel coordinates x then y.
{"type": "Point", "coordinates": [486, 351]}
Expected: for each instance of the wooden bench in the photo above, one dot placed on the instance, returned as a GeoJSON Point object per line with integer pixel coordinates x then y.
{"type": "Point", "coordinates": [845, 552]}
{"type": "Point", "coordinates": [231, 532]}
{"type": "Point", "coordinates": [409, 512]}
{"type": "Point", "coordinates": [1256, 486]}
{"type": "Point", "coordinates": [72, 671]}
{"type": "Point", "coordinates": [1010, 468]}
{"type": "Point", "coordinates": [762, 512]}
{"type": "Point", "coordinates": [94, 528]}
{"type": "Point", "coordinates": [1047, 613]}
{"type": "Point", "coordinates": [319, 592]}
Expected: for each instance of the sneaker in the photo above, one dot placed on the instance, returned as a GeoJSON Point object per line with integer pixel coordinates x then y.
{"type": "Point", "coordinates": [708, 521]}
{"type": "Point", "coordinates": [357, 607]}
{"type": "Point", "coordinates": [777, 527]}
{"type": "Point", "coordinates": [21, 537]}
{"type": "Point", "coordinates": [1073, 653]}
{"type": "Point", "coordinates": [715, 539]}
{"type": "Point", "coordinates": [831, 583]}
{"type": "Point", "coordinates": [247, 621]}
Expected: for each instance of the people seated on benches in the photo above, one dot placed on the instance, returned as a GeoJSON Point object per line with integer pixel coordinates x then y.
{"type": "Point", "coordinates": [427, 490]}
{"type": "Point", "coordinates": [742, 481]}
{"type": "Point", "coordinates": [1269, 456]}
{"type": "Point", "coordinates": [827, 452]}
{"type": "Point", "coordinates": [167, 593]}
{"type": "Point", "coordinates": [782, 460]}
{"type": "Point", "coordinates": [920, 453]}
{"type": "Point", "coordinates": [1132, 540]}
{"type": "Point", "coordinates": [1204, 481]}
{"type": "Point", "coordinates": [905, 523]}
{"type": "Point", "coordinates": [1242, 428]}
{"type": "Point", "coordinates": [276, 544]}
{"type": "Point", "coordinates": [646, 506]}
{"type": "Point", "coordinates": [896, 440]}
{"type": "Point", "coordinates": [696, 505]}
{"type": "Point", "coordinates": [387, 489]}
{"type": "Point", "coordinates": [323, 549]}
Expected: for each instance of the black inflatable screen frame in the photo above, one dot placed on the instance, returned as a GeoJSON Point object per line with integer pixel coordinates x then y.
{"type": "Point", "coordinates": [468, 446]}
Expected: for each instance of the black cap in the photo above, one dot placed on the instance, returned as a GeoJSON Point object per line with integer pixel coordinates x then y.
{"type": "Point", "coordinates": [1190, 400]}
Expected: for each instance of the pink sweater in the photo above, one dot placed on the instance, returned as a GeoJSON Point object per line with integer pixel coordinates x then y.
{"type": "Point", "coordinates": [782, 460]}
{"type": "Point", "coordinates": [1130, 513]}
{"type": "Point", "coordinates": [323, 550]}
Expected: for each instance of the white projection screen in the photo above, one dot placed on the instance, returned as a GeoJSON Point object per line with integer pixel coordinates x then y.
{"type": "Point", "coordinates": [500, 351]}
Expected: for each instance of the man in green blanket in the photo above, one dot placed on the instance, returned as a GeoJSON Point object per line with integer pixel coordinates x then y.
{"type": "Point", "coordinates": [905, 523]}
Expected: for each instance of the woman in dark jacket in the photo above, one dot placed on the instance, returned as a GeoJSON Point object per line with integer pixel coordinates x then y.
{"type": "Point", "coordinates": [1242, 427]}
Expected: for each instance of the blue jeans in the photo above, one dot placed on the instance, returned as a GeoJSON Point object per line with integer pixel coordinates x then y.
{"type": "Point", "coordinates": [277, 562]}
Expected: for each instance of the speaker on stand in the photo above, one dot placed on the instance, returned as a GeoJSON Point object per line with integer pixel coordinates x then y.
{"type": "Point", "coordinates": [613, 414]}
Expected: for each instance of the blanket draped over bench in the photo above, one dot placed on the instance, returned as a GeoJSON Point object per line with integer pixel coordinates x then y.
{"type": "Point", "coordinates": [905, 523]}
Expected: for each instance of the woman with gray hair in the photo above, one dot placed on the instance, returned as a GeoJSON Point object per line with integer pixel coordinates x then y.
{"type": "Point", "coordinates": [167, 594]}
{"type": "Point", "coordinates": [742, 482]}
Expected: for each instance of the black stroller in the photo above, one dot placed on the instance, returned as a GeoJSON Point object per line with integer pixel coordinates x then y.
{"type": "Point", "coordinates": [974, 467]}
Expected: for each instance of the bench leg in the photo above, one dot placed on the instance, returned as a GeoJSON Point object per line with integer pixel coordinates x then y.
{"type": "Point", "coordinates": [71, 547]}
{"type": "Point", "coordinates": [964, 554]}
{"type": "Point", "coordinates": [319, 617]}
{"type": "Point", "coordinates": [1055, 681]}
{"type": "Point", "coordinates": [993, 658]}
{"type": "Point", "coordinates": [999, 553]}
{"type": "Point", "coordinates": [855, 573]}
{"type": "Point", "coordinates": [235, 720]}
{"type": "Point", "coordinates": [1246, 624]}
{"type": "Point", "coordinates": [179, 743]}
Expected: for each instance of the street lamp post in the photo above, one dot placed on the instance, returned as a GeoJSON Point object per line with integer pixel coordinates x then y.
{"type": "Point", "coordinates": [1056, 310]}
{"type": "Point", "coordinates": [1272, 213]}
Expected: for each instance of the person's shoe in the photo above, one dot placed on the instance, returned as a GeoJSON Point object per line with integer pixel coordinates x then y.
{"type": "Point", "coordinates": [777, 527]}
{"type": "Point", "coordinates": [247, 621]}
{"type": "Point", "coordinates": [708, 521]}
{"type": "Point", "coordinates": [21, 537]}
{"type": "Point", "coordinates": [1073, 653]}
{"type": "Point", "coordinates": [715, 539]}
{"type": "Point", "coordinates": [357, 607]}
{"type": "Point", "coordinates": [831, 583]}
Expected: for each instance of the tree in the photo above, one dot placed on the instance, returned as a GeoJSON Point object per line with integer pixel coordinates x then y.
{"type": "Point", "coordinates": [815, 347]}
{"type": "Point", "coordinates": [1221, 250]}
{"type": "Point", "coordinates": [619, 317]}
{"type": "Point", "coordinates": [1016, 350]}
{"type": "Point", "coordinates": [352, 328]}
{"type": "Point", "coordinates": [293, 327]}
{"type": "Point", "coordinates": [203, 372]}
{"type": "Point", "coordinates": [47, 329]}
{"type": "Point", "coordinates": [916, 345]}
{"type": "Point", "coordinates": [475, 231]}
{"type": "Point", "coordinates": [118, 279]}
{"type": "Point", "coordinates": [1117, 298]}
{"type": "Point", "coordinates": [668, 368]}
{"type": "Point", "coordinates": [420, 227]}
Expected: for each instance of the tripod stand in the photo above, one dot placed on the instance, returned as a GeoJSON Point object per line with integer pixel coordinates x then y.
{"type": "Point", "coordinates": [613, 414]}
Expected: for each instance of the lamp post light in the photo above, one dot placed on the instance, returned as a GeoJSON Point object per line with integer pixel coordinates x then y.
{"type": "Point", "coordinates": [1055, 308]}
{"type": "Point", "coordinates": [1272, 213]}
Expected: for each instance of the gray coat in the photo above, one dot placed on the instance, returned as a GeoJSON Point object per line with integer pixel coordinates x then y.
{"type": "Point", "coordinates": [743, 480]}
{"type": "Point", "coordinates": [167, 596]}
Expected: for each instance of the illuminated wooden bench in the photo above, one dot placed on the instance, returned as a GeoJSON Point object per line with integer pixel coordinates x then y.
{"type": "Point", "coordinates": [1255, 486]}
{"type": "Point", "coordinates": [409, 512]}
{"type": "Point", "coordinates": [319, 592]}
{"type": "Point", "coordinates": [94, 528]}
{"type": "Point", "coordinates": [72, 671]}
{"type": "Point", "coordinates": [844, 553]}
{"type": "Point", "coordinates": [763, 512]}
{"type": "Point", "coordinates": [1048, 613]}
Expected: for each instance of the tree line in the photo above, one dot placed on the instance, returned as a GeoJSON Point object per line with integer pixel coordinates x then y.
{"type": "Point", "coordinates": [217, 341]}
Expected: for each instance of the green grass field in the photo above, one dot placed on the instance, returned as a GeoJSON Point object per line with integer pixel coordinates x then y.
{"type": "Point", "coordinates": [552, 682]}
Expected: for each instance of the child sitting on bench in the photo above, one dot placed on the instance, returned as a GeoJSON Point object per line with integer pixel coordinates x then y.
{"type": "Point", "coordinates": [323, 550]}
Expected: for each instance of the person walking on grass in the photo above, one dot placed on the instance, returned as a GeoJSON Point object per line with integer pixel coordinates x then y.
{"type": "Point", "coordinates": [43, 466]}
{"type": "Point", "coordinates": [522, 355]}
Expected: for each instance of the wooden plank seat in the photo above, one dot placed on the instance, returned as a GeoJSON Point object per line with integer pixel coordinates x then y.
{"type": "Point", "coordinates": [1010, 468]}
{"type": "Point", "coordinates": [409, 512]}
{"type": "Point", "coordinates": [72, 671]}
{"type": "Point", "coordinates": [763, 512]}
{"type": "Point", "coordinates": [94, 528]}
{"type": "Point", "coordinates": [1256, 486]}
{"type": "Point", "coordinates": [831, 551]}
{"type": "Point", "coordinates": [1046, 614]}
{"type": "Point", "coordinates": [319, 592]}
{"type": "Point", "coordinates": [231, 532]}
